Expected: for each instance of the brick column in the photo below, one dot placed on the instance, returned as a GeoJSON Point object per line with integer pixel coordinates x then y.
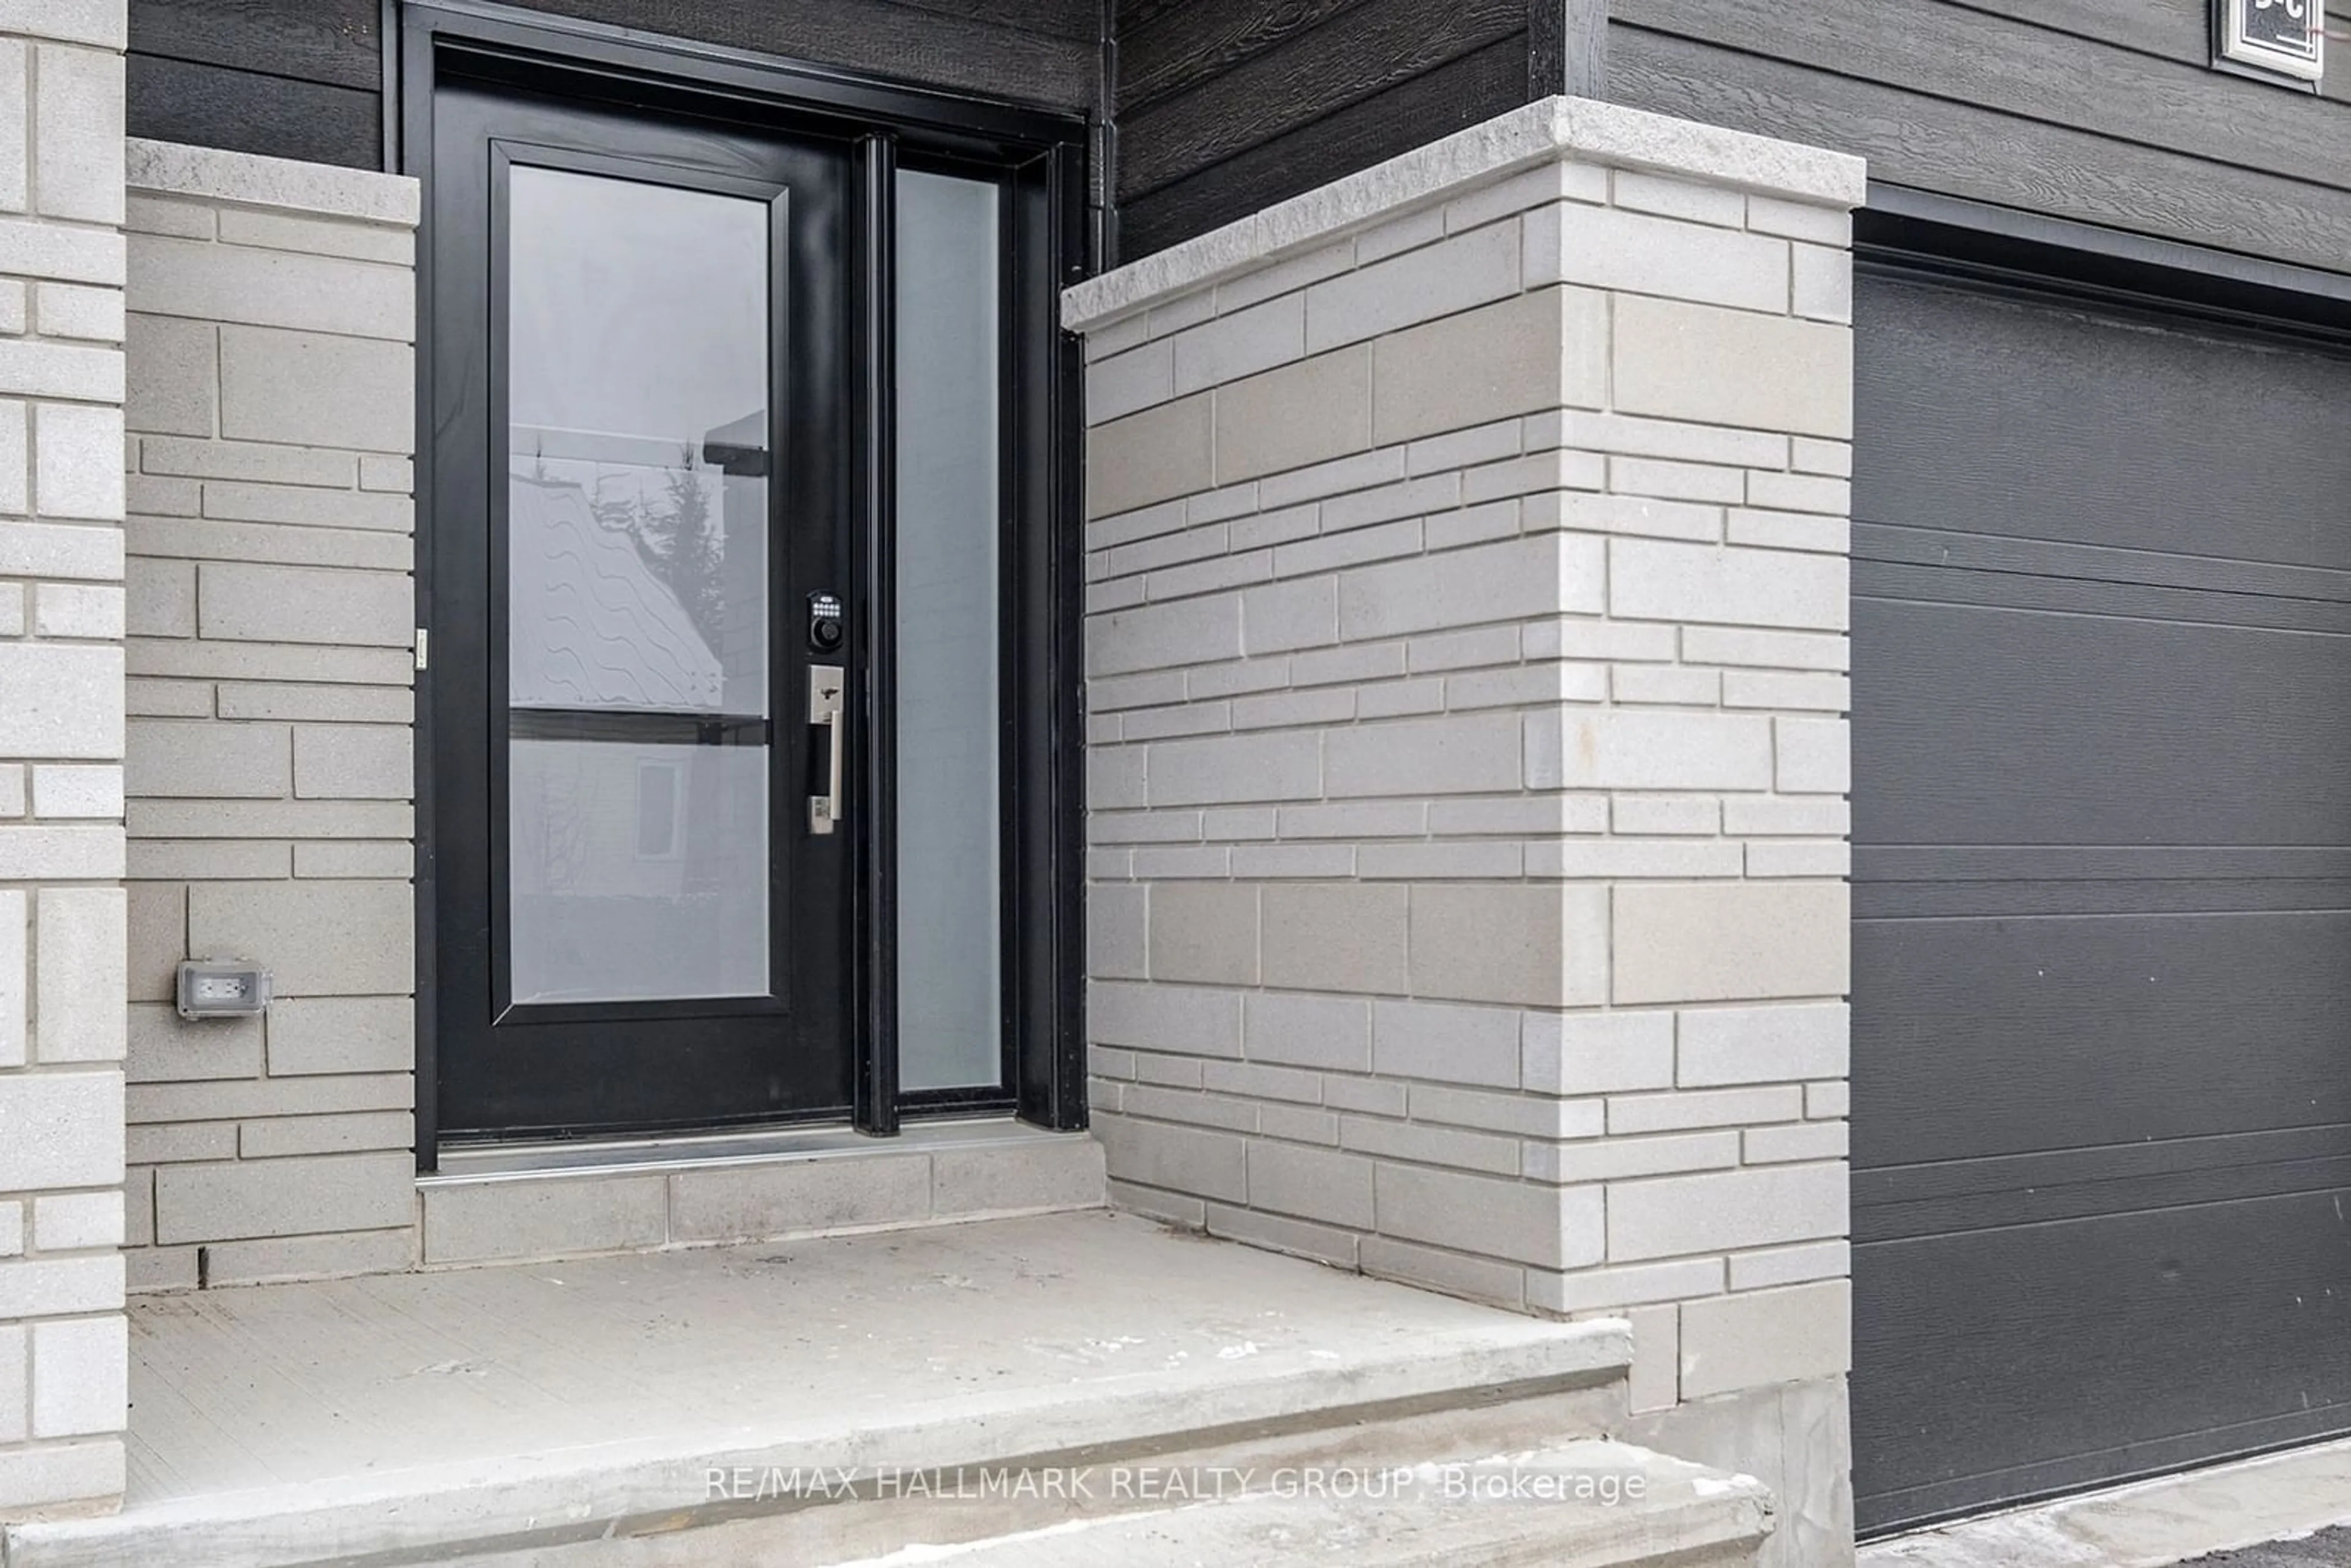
{"type": "Point", "coordinates": [1466, 651]}
{"type": "Point", "coordinates": [273, 613]}
{"type": "Point", "coordinates": [63, 1349]}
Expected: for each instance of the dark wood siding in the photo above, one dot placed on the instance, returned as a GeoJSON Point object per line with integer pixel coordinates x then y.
{"type": "Point", "coordinates": [292, 78]}
{"type": "Point", "coordinates": [1227, 105]}
{"type": "Point", "coordinates": [303, 79]}
{"type": "Point", "coordinates": [2103, 111]}
{"type": "Point", "coordinates": [1039, 51]}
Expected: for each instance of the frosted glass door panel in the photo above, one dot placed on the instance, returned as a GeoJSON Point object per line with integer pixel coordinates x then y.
{"type": "Point", "coordinates": [637, 571]}
{"type": "Point", "coordinates": [628, 880]}
{"type": "Point", "coordinates": [950, 941]}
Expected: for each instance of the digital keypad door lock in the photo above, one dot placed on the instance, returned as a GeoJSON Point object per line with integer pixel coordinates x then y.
{"type": "Point", "coordinates": [826, 630]}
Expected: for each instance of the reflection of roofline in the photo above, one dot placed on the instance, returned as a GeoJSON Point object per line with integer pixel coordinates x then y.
{"type": "Point", "coordinates": [597, 445]}
{"type": "Point", "coordinates": [738, 447]}
{"type": "Point", "coordinates": [737, 462]}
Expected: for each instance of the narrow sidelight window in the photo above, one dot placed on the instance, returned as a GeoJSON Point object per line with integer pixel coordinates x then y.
{"type": "Point", "coordinates": [949, 587]}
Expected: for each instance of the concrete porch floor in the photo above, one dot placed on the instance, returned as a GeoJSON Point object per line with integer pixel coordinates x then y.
{"type": "Point", "coordinates": [533, 1405]}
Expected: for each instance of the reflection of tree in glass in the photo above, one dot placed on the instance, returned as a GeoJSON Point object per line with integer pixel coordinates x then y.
{"type": "Point", "coordinates": [559, 827]}
{"type": "Point", "coordinates": [680, 542]}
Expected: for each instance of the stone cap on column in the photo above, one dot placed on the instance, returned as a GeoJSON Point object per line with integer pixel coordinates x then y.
{"type": "Point", "coordinates": [168, 168]}
{"type": "Point", "coordinates": [1552, 129]}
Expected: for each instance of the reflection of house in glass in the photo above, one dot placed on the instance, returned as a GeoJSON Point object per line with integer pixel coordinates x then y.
{"type": "Point", "coordinates": [593, 627]}
{"type": "Point", "coordinates": [638, 714]}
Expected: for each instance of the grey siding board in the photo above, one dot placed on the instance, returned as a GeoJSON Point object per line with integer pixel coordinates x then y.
{"type": "Point", "coordinates": [1291, 77]}
{"type": "Point", "coordinates": [2037, 73]}
{"type": "Point", "coordinates": [1453, 96]}
{"type": "Point", "coordinates": [1079, 19]}
{"type": "Point", "coordinates": [991, 48]}
{"type": "Point", "coordinates": [2173, 30]}
{"type": "Point", "coordinates": [247, 111]}
{"type": "Point", "coordinates": [2107, 111]}
{"type": "Point", "coordinates": [1567, 48]}
{"type": "Point", "coordinates": [1131, 14]}
{"type": "Point", "coordinates": [334, 42]}
{"type": "Point", "coordinates": [302, 79]}
{"type": "Point", "coordinates": [1168, 51]}
{"type": "Point", "coordinates": [291, 79]}
{"type": "Point", "coordinates": [1958, 149]}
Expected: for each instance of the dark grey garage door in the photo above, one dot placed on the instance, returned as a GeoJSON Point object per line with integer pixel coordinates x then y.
{"type": "Point", "coordinates": [2102, 954]}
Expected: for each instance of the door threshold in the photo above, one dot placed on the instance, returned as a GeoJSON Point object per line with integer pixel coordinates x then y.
{"type": "Point", "coordinates": [694, 1151]}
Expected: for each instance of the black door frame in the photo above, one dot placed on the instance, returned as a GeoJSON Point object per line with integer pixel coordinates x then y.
{"type": "Point", "coordinates": [1041, 155]}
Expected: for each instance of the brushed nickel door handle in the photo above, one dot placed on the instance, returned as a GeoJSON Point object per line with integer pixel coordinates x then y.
{"type": "Point", "coordinates": [825, 685]}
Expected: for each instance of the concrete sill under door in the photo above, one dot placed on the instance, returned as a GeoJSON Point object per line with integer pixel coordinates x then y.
{"type": "Point", "coordinates": [509, 1203]}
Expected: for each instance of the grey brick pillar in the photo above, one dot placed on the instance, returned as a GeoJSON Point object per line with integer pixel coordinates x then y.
{"type": "Point", "coordinates": [63, 1346]}
{"type": "Point", "coordinates": [1466, 655]}
{"type": "Point", "coordinates": [271, 757]}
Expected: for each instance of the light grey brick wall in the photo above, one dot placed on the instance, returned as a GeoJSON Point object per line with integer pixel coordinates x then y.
{"type": "Point", "coordinates": [270, 772]}
{"type": "Point", "coordinates": [1466, 565]}
{"type": "Point", "coordinates": [63, 1344]}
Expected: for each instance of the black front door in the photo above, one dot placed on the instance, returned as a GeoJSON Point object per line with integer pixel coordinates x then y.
{"type": "Point", "coordinates": [640, 485]}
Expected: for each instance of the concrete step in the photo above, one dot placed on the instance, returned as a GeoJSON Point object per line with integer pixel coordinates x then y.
{"type": "Point", "coordinates": [1431, 1480]}
{"type": "Point", "coordinates": [1590, 1504]}
{"type": "Point", "coordinates": [507, 1203]}
{"type": "Point", "coordinates": [688, 1407]}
